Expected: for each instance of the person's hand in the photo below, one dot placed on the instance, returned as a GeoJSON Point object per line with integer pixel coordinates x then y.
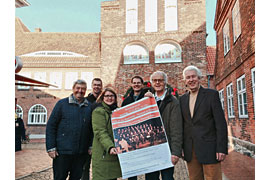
{"type": "Point", "coordinates": [53, 154]}
{"type": "Point", "coordinates": [148, 94]}
{"type": "Point", "coordinates": [182, 155]}
{"type": "Point", "coordinates": [220, 156]}
{"type": "Point", "coordinates": [90, 151]}
{"type": "Point", "coordinates": [113, 151]}
{"type": "Point", "coordinates": [174, 159]}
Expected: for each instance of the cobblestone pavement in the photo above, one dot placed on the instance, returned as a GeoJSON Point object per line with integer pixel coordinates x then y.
{"type": "Point", "coordinates": [33, 163]}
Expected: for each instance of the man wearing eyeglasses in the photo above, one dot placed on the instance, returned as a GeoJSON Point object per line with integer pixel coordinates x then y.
{"type": "Point", "coordinates": [171, 116]}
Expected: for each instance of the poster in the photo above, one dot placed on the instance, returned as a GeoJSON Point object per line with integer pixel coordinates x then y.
{"type": "Point", "coordinates": [140, 138]}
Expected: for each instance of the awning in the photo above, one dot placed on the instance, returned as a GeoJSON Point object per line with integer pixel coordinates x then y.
{"type": "Point", "coordinates": [26, 81]}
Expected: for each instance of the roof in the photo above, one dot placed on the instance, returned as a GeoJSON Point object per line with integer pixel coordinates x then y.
{"type": "Point", "coordinates": [211, 59]}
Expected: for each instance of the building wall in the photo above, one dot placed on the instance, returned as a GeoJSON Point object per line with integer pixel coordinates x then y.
{"type": "Point", "coordinates": [191, 35]}
{"type": "Point", "coordinates": [237, 62]}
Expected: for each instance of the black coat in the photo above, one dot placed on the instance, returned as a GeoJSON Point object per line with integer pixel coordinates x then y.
{"type": "Point", "coordinates": [19, 133]}
{"type": "Point", "coordinates": [130, 99]}
{"type": "Point", "coordinates": [207, 130]}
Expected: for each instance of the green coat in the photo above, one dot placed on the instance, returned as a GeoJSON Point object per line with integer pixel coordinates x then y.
{"type": "Point", "coordinates": [104, 165]}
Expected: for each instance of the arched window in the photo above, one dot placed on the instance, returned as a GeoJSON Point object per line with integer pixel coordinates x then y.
{"type": "Point", "coordinates": [168, 52]}
{"type": "Point", "coordinates": [135, 54]}
{"type": "Point", "coordinates": [37, 114]}
{"type": "Point", "coordinates": [19, 111]}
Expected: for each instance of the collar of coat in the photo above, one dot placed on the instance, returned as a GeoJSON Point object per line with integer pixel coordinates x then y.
{"type": "Point", "coordinates": [73, 100]}
{"type": "Point", "coordinates": [168, 98]}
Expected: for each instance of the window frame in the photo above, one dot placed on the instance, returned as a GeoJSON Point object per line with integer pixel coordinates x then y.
{"type": "Point", "coordinates": [241, 94]}
{"type": "Point", "coordinates": [19, 114]}
{"type": "Point", "coordinates": [44, 114]}
{"type": "Point", "coordinates": [69, 82]}
{"type": "Point", "coordinates": [151, 16]}
{"type": "Point", "coordinates": [136, 61]}
{"type": "Point", "coordinates": [236, 21]}
{"type": "Point", "coordinates": [131, 16]}
{"type": "Point", "coordinates": [221, 97]}
{"type": "Point", "coordinates": [170, 15]}
{"type": "Point", "coordinates": [230, 102]}
{"type": "Point", "coordinates": [253, 83]}
{"type": "Point", "coordinates": [226, 37]}
{"type": "Point", "coordinates": [169, 60]}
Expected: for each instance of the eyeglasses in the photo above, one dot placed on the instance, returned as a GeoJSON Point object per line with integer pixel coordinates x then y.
{"type": "Point", "coordinates": [109, 96]}
{"type": "Point", "coordinates": [158, 80]}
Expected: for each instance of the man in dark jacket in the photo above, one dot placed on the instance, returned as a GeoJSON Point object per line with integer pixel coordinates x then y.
{"type": "Point", "coordinates": [171, 116]}
{"type": "Point", "coordinates": [205, 128]}
{"type": "Point", "coordinates": [136, 93]}
{"type": "Point", "coordinates": [69, 133]}
{"type": "Point", "coordinates": [92, 97]}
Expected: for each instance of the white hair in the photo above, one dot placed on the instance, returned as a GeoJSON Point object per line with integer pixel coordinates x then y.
{"type": "Point", "coordinates": [161, 73]}
{"type": "Point", "coordinates": [79, 81]}
{"type": "Point", "coordinates": [192, 68]}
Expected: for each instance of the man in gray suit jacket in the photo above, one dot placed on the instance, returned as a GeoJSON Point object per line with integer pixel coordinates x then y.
{"type": "Point", "coordinates": [205, 128]}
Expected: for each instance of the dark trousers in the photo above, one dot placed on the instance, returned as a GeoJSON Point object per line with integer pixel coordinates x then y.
{"type": "Point", "coordinates": [72, 165]}
{"type": "Point", "coordinates": [133, 178]}
{"type": "Point", "coordinates": [86, 168]}
{"type": "Point", "coordinates": [166, 174]}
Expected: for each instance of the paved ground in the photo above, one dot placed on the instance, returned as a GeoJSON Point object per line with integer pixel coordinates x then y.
{"type": "Point", "coordinates": [33, 163]}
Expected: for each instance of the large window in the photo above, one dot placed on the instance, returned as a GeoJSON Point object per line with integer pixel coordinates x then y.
{"type": "Point", "coordinates": [87, 76]}
{"type": "Point", "coordinates": [168, 52]}
{"type": "Point", "coordinates": [135, 54]}
{"type": "Point", "coordinates": [19, 111]}
{"type": "Point", "coordinates": [131, 16]}
{"type": "Point", "coordinates": [226, 37]}
{"type": "Point", "coordinates": [37, 115]}
{"type": "Point", "coordinates": [253, 83]}
{"type": "Point", "coordinates": [56, 79]}
{"type": "Point", "coordinates": [171, 23]}
{"type": "Point", "coordinates": [71, 77]}
{"type": "Point", "coordinates": [230, 101]}
{"type": "Point", "coordinates": [150, 15]}
{"type": "Point", "coordinates": [236, 19]}
{"type": "Point", "coordinates": [221, 97]}
{"type": "Point", "coordinates": [242, 97]}
{"type": "Point", "coordinates": [40, 76]}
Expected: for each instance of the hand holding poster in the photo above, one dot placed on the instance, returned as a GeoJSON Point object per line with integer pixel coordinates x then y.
{"type": "Point", "coordinates": [140, 138]}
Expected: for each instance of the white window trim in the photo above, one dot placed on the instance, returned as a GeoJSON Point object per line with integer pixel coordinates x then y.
{"type": "Point", "coordinates": [221, 97]}
{"type": "Point", "coordinates": [69, 82]}
{"type": "Point", "coordinates": [236, 19]}
{"type": "Point", "coordinates": [161, 60]}
{"type": "Point", "coordinates": [226, 37]}
{"type": "Point", "coordinates": [241, 92]}
{"type": "Point", "coordinates": [132, 17]}
{"type": "Point", "coordinates": [21, 113]}
{"type": "Point", "coordinates": [151, 24]}
{"type": "Point", "coordinates": [40, 76]}
{"type": "Point", "coordinates": [253, 84]}
{"type": "Point", "coordinates": [171, 22]}
{"type": "Point", "coordinates": [135, 61]}
{"type": "Point", "coordinates": [30, 113]}
{"type": "Point", "coordinates": [58, 83]}
{"type": "Point", "coordinates": [230, 98]}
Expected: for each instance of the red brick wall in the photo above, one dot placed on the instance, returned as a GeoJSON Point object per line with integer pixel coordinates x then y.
{"type": "Point", "coordinates": [191, 36]}
{"type": "Point", "coordinates": [28, 98]}
{"type": "Point", "coordinates": [239, 61]}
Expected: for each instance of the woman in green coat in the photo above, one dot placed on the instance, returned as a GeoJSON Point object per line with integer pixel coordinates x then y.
{"type": "Point", "coordinates": [105, 163]}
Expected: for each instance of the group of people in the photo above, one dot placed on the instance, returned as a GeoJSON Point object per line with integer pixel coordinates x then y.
{"type": "Point", "coordinates": [79, 129]}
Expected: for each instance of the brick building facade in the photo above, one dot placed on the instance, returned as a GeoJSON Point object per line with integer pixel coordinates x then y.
{"type": "Point", "coordinates": [235, 67]}
{"type": "Point", "coordinates": [137, 37]}
{"type": "Point", "coordinates": [189, 36]}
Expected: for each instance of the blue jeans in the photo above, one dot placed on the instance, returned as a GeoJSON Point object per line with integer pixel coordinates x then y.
{"type": "Point", "coordinates": [166, 174]}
